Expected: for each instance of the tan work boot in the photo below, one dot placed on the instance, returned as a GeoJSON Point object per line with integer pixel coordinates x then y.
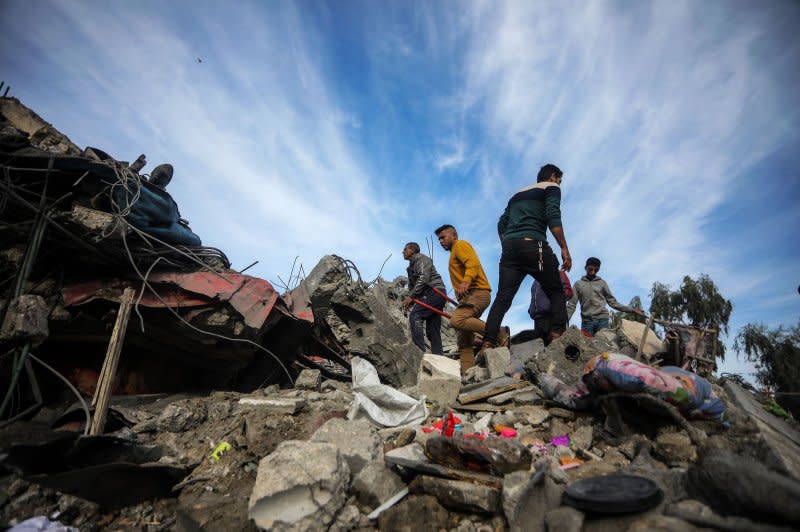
{"type": "Point", "coordinates": [504, 337]}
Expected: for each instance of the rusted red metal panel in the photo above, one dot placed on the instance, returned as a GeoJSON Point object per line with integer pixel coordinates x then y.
{"type": "Point", "coordinates": [251, 297]}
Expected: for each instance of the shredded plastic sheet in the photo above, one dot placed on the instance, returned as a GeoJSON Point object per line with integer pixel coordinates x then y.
{"type": "Point", "coordinates": [382, 404]}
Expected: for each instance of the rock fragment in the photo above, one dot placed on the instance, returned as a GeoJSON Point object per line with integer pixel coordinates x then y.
{"type": "Point", "coordinates": [357, 440]}
{"type": "Point", "coordinates": [375, 484]}
{"type": "Point", "coordinates": [309, 379]}
{"type": "Point", "coordinates": [459, 495]}
{"type": "Point", "coordinates": [300, 486]}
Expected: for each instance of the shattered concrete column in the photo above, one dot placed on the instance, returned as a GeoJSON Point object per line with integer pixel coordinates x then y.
{"type": "Point", "coordinates": [362, 320]}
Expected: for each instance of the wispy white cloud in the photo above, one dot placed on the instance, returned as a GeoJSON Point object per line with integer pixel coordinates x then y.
{"type": "Point", "coordinates": [661, 115]}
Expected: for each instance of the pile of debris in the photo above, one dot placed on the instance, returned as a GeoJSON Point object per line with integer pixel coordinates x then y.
{"type": "Point", "coordinates": [324, 415]}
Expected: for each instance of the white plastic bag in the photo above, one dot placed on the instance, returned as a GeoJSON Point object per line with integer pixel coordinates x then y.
{"type": "Point", "coordinates": [382, 404]}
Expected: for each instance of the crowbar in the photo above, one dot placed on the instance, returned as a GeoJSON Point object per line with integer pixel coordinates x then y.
{"type": "Point", "coordinates": [434, 309]}
{"type": "Point", "coordinates": [448, 298]}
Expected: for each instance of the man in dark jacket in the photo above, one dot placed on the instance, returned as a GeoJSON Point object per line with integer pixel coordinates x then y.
{"type": "Point", "coordinates": [422, 279]}
{"type": "Point", "coordinates": [522, 229]}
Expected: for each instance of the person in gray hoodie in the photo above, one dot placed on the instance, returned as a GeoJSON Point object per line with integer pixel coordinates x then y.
{"type": "Point", "coordinates": [593, 294]}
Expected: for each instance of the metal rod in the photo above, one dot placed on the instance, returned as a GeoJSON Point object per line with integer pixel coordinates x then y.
{"type": "Point", "coordinates": [433, 309]}
{"type": "Point", "coordinates": [444, 295]}
{"type": "Point", "coordinates": [248, 267]}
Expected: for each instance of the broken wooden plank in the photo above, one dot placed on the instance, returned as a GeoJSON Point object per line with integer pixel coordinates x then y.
{"type": "Point", "coordinates": [508, 396]}
{"type": "Point", "coordinates": [478, 407]}
{"type": "Point", "coordinates": [437, 470]}
{"type": "Point", "coordinates": [109, 369]}
{"type": "Point", "coordinates": [482, 390]}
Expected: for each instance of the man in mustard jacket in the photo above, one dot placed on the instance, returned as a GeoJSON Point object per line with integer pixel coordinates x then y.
{"type": "Point", "coordinates": [472, 291]}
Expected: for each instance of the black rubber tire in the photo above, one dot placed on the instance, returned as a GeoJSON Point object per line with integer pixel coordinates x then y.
{"type": "Point", "coordinates": [613, 494]}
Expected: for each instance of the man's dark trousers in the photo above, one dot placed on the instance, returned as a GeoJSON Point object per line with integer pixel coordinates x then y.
{"type": "Point", "coordinates": [521, 257]}
{"type": "Point", "coordinates": [433, 322]}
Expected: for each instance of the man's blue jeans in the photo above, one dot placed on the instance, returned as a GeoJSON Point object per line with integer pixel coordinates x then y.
{"type": "Point", "coordinates": [592, 326]}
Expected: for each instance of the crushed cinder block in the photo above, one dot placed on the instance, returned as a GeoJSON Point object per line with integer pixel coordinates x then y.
{"type": "Point", "coordinates": [300, 486]}
{"type": "Point", "coordinates": [308, 379]}
{"type": "Point", "coordinates": [439, 379]}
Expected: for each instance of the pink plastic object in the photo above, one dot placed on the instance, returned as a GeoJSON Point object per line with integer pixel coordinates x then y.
{"type": "Point", "coordinates": [508, 433]}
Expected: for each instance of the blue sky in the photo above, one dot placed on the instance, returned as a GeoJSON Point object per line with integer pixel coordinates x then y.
{"type": "Point", "coordinates": [353, 127]}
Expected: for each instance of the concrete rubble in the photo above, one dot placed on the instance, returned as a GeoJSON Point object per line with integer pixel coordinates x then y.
{"type": "Point", "coordinates": [257, 436]}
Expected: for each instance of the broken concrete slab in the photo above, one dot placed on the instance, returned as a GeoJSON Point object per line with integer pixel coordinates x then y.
{"type": "Point", "coordinates": [522, 353]}
{"type": "Point", "coordinates": [515, 485]}
{"type": "Point", "coordinates": [375, 484]}
{"type": "Point", "coordinates": [459, 495]}
{"type": "Point", "coordinates": [782, 441]}
{"type": "Point", "coordinates": [276, 405]}
{"type": "Point", "coordinates": [564, 519]}
{"type": "Point", "coordinates": [308, 379]}
{"type": "Point", "coordinates": [439, 379]}
{"type": "Point", "coordinates": [662, 523]}
{"type": "Point", "coordinates": [534, 503]}
{"type": "Point", "coordinates": [733, 484]}
{"type": "Point", "coordinates": [534, 415]}
{"type": "Point", "coordinates": [180, 417]}
{"type": "Point", "coordinates": [565, 357]}
{"type": "Point", "coordinates": [300, 486]}
{"type": "Point", "coordinates": [357, 440]}
{"type": "Point", "coordinates": [416, 512]}
{"type": "Point", "coordinates": [497, 361]}
{"type": "Point", "coordinates": [581, 439]}
{"type": "Point", "coordinates": [26, 319]}
{"type": "Point", "coordinates": [476, 374]}
{"type": "Point", "coordinates": [361, 319]}
{"type": "Point", "coordinates": [701, 515]}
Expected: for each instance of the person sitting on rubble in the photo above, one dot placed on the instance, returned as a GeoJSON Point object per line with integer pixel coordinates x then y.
{"type": "Point", "coordinates": [593, 294]}
{"type": "Point", "coordinates": [422, 279]}
{"type": "Point", "coordinates": [539, 310]}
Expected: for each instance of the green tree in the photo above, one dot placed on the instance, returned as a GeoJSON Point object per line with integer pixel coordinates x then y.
{"type": "Point", "coordinates": [776, 354]}
{"type": "Point", "coordinates": [617, 317]}
{"type": "Point", "coordinates": [696, 302]}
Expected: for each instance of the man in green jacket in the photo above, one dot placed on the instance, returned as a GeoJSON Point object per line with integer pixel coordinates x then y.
{"type": "Point", "coordinates": [522, 229]}
{"type": "Point", "coordinates": [593, 294]}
